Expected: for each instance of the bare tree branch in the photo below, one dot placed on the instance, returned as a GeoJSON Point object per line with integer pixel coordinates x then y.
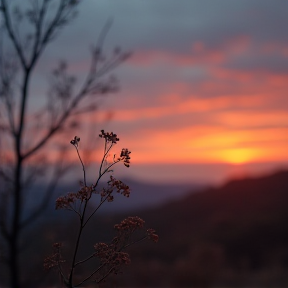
{"type": "Point", "coordinates": [86, 89]}
{"type": "Point", "coordinates": [11, 33]}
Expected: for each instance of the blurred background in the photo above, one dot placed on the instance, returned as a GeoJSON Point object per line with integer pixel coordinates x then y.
{"type": "Point", "coordinates": [203, 107]}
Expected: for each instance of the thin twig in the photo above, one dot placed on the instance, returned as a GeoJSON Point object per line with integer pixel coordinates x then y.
{"type": "Point", "coordinates": [85, 260]}
{"type": "Point", "coordinates": [95, 210]}
{"type": "Point", "coordinates": [93, 273]}
{"type": "Point", "coordinates": [83, 167]}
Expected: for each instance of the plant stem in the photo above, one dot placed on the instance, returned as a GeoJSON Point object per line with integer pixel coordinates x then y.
{"type": "Point", "coordinates": [77, 246]}
{"type": "Point", "coordinates": [83, 167]}
{"type": "Point", "coordinates": [82, 216]}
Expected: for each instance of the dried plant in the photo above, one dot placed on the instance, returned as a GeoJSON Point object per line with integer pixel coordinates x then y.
{"type": "Point", "coordinates": [111, 256]}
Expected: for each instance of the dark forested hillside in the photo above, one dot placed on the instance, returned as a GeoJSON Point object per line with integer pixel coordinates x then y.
{"type": "Point", "coordinates": [233, 235]}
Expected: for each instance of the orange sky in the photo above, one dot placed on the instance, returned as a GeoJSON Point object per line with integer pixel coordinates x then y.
{"type": "Point", "coordinates": [209, 87]}
{"type": "Point", "coordinates": [237, 128]}
{"type": "Point", "coordinates": [244, 120]}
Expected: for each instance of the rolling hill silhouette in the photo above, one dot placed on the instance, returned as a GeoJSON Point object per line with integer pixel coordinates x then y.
{"type": "Point", "coordinates": [233, 235]}
{"type": "Point", "coordinates": [230, 236]}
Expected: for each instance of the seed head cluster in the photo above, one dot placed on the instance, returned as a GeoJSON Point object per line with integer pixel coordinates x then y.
{"type": "Point", "coordinates": [109, 136]}
{"type": "Point", "coordinates": [66, 202]}
{"type": "Point", "coordinates": [130, 224]}
{"type": "Point", "coordinates": [55, 259]}
{"type": "Point", "coordinates": [125, 157]}
{"type": "Point", "coordinates": [120, 187]}
{"type": "Point", "coordinates": [151, 233]}
{"type": "Point", "coordinates": [110, 257]}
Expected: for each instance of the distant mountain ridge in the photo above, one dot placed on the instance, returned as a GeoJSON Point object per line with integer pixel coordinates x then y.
{"type": "Point", "coordinates": [146, 195]}
{"type": "Point", "coordinates": [143, 195]}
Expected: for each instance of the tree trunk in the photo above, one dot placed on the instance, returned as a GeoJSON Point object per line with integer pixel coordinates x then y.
{"type": "Point", "coordinates": [15, 229]}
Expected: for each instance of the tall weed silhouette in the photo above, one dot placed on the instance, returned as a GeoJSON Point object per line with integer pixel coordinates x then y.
{"type": "Point", "coordinates": [110, 257]}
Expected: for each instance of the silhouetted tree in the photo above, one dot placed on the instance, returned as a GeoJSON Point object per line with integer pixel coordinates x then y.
{"type": "Point", "coordinates": [27, 27]}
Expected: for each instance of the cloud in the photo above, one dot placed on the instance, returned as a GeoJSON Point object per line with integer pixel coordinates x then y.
{"type": "Point", "coordinates": [192, 107]}
{"type": "Point", "coordinates": [170, 26]}
{"type": "Point", "coordinates": [271, 59]}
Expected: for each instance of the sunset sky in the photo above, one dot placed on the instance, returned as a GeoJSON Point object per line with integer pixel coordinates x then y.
{"type": "Point", "coordinates": [205, 93]}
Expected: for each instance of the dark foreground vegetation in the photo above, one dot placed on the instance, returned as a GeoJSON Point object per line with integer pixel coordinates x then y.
{"type": "Point", "coordinates": [233, 236]}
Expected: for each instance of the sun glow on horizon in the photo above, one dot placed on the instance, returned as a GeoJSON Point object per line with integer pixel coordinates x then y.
{"type": "Point", "coordinates": [238, 155]}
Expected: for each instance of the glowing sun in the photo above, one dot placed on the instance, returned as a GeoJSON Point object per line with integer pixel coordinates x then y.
{"type": "Point", "coordinates": [238, 155]}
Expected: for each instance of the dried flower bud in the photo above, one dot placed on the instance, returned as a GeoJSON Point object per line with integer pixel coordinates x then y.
{"type": "Point", "coordinates": [75, 141]}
